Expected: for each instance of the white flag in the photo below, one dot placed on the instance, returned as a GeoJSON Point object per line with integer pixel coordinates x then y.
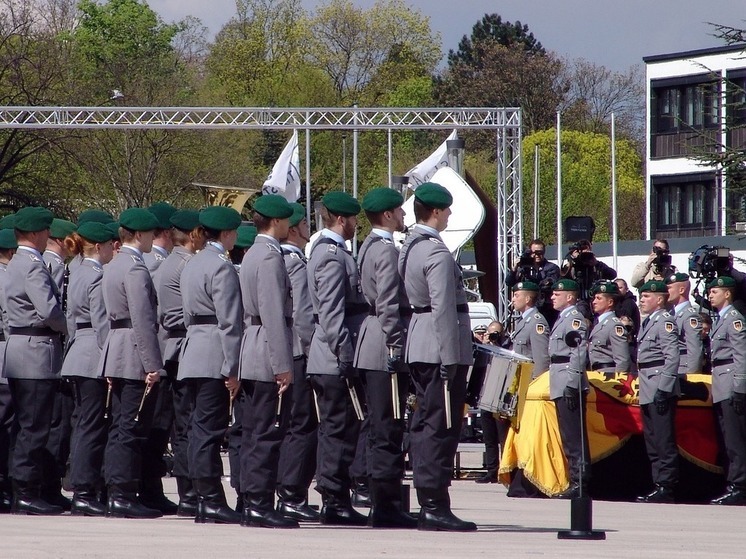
{"type": "Point", "coordinates": [284, 179]}
{"type": "Point", "coordinates": [423, 172]}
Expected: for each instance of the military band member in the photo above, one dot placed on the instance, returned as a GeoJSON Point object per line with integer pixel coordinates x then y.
{"type": "Point", "coordinates": [88, 327]}
{"type": "Point", "coordinates": [530, 336]}
{"type": "Point", "coordinates": [379, 357]}
{"type": "Point", "coordinates": [188, 237]}
{"type": "Point", "coordinates": [658, 365]}
{"type": "Point", "coordinates": [608, 349]}
{"type": "Point", "coordinates": [8, 246]}
{"type": "Point", "coordinates": [266, 367]}
{"type": "Point", "coordinates": [688, 324]}
{"type": "Point", "coordinates": [340, 308]}
{"type": "Point", "coordinates": [568, 382]}
{"type": "Point", "coordinates": [131, 359]}
{"type": "Point", "coordinates": [298, 451]}
{"type": "Point", "coordinates": [33, 355]}
{"type": "Point", "coordinates": [729, 386]}
{"type": "Point", "coordinates": [439, 353]}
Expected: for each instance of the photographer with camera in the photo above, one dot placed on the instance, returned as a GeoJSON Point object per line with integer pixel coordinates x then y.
{"type": "Point", "coordinates": [657, 267]}
{"type": "Point", "coordinates": [534, 267]}
{"type": "Point", "coordinates": [582, 266]}
{"type": "Point", "coordinates": [710, 262]}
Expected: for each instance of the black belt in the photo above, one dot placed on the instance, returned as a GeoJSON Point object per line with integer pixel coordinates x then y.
{"type": "Point", "coordinates": [121, 323]}
{"type": "Point", "coordinates": [683, 352]}
{"type": "Point", "coordinates": [257, 321]}
{"type": "Point", "coordinates": [403, 311]}
{"type": "Point", "coordinates": [203, 319]}
{"type": "Point", "coordinates": [462, 308]}
{"type": "Point", "coordinates": [33, 331]}
{"type": "Point", "coordinates": [718, 362]}
{"type": "Point", "coordinates": [556, 359]}
{"type": "Point", "coordinates": [599, 365]}
{"type": "Point", "coordinates": [176, 333]}
{"type": "Point", "coordinates": [83, 325]}
{"type": "Point", "coordinates": [650, 364]}
{"type": "Point", "coordinates": [356, 308]}
{"type": "Point", "coordinates": [2, 337]}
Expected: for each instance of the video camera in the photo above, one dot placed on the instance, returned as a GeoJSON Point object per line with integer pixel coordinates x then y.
{"type": "Point", "coordinates": [662, 257]}
{"type": "Point", "coordinates": [709, 261]}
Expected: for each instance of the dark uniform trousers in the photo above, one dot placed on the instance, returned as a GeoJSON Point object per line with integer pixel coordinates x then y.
{"type": "Point", "coordinates": [262, 436]}
{"type": "Point", "coordinates": [338, 433]}
{"type": "Point", "coordinates": [60, 433]}
{"type": "Point", "coordinates": [88, 440]}
{"type": "Point", "coordinates": [182, 417]}
{"type": "Point", "coordinates": [359, 466]}
{"type": "Point", "coordinates": [733, 431]}
{"type": "Point", "coordinates": [156, 443]}
{"type": "Point", "coordinates": [575, 448]}
{"type": "Point", "coordinates": [34, 402]}
{"type": "Point", "coordinates": [298, 451]}
{"type": "Point", "coordinates": [7, 433]}
{"type": "Point", "coordinates": [660, 443]}
{"type": "Point", "coordinates": [210, 404]}
{"type": "Point", "coordinates": [432, 445]}
{"type": "Point", "coordinates": [123, 455]}
{"type": "Point", "coordinates": [385, 434]}
{"type": "Point", "coordinates": [235, 434]}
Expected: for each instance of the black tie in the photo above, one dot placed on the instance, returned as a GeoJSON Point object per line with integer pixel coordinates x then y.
{"type": "Point", "coordinates": [645, 322]}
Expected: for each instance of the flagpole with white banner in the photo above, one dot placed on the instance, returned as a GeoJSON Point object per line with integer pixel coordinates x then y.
{"type": "Point", "coordinates": [284, 179]}
{"type": "Point", "coordinates": [423, 171]}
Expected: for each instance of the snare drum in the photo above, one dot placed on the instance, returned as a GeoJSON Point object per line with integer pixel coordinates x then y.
{"type": "Point", "coordinates": [500, 387]}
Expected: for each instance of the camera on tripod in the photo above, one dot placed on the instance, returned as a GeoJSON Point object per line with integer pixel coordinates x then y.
{"type": "Point", "coordinates": [709, 261]}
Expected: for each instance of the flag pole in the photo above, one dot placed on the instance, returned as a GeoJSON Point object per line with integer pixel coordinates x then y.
{"type": "Point", "coordinates": [308, 173]}
{"type": "Point", "coordinates": [536, 191]}
{"type": "Point", "coordinates": [614, 232]}
{"type": "Point", "coordinates": [354, 175]}
{"type": "Point", "coordinates": [391, 171]}
{"type": "Point", "coordinates": [559, 192]}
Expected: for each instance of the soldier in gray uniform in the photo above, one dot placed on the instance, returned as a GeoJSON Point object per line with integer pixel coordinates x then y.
{"type": "Point", "coordinates": [729, 386]}
{"type": "Point", "coordinates": [658, 366]}
{"type": "Point", "coordinates": [33, 356]}
{"type": "Point", "coordinates": [188, 238]}
{"type": "Point", "coordinates": [298, 451]}
{"type": "Point", "coordinates": [209, 358]}
{"type": "Point", "coordinates": [688, 324]}
{"type": "Point", "coordinates": [379, 357]}
{"type": "Point", "coordinates": [88, 327]}
{"type": "Point", "coordinates": [340, 308]}
{"type": "Point", "coordinates": [608, 350]}
{"type": "Point", "coordinates": [266, 367]}
{"type": "Point", "coordinates": [162, 242]}
{"type": "Point", "coordinates": [568, 382]}
{"type": "Point", "coordinates": [530, 336]}
{"type": "Point", "coordinates": [438, 352]}
{"type": "Point", "coordinates": [8, 246]}
{"type": "Point", "coordinates": [131, 360]}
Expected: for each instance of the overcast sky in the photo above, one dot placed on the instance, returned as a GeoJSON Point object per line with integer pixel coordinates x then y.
{"type": "Point", "coordinates": [613, 33]}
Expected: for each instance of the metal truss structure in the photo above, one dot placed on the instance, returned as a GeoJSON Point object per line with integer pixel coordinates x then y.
{"type": "Point", "coordinates": [505, 121]}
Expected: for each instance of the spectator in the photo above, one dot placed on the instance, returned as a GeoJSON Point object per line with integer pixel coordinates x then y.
{"type": "Point", "coordinates": [656, 267]}
{"type": "Point", "coordinates": [627, 305]}
{"type": "Point", "coordinates": [534, 267]}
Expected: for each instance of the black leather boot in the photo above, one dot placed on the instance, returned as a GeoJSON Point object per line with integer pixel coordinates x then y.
{"type": "Point", "coordinates": [152, 496]}
{"type": "Point", "coordinates": [735, 496]}
{"type": "Point", "coordinates": [6, 496]}
{"type": "Point", "coordinates": [361, 493]}
{"type": "Point", "coordinates": [26, 500]}
{"type": "Point", "coordinates": [123, 503]}
{"type": "Point", "coordinates": [661, 494]}
{"type": "Point", "coordinates": [187, 497]}
{"type": "Point", "coordinates": [337, 510]}
{"type": "Point", "coordinates": [212, 506]}
{"type": "Point", "coordinates": [292, 502]}
{"type": "Point", "coordinates": [259, 511]}
{"type": "Point", "coordinates": [386, 509]}
{"type": "Point", "coordinates": [86, 503]}
{"type": "Point", "coordinates": [239, 502]}
{"type": "Point", "coordinates": [52, 494]}
{"type": "Point", "coordinates": [435, 512]}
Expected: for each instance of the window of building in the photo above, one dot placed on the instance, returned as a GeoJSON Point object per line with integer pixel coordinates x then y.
{"type": "Point", "coordinates": [685, 203]}
{"type": "Point", "coordinates": [683, 107]}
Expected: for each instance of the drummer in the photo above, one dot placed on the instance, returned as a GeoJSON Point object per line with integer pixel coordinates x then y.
{"type": "Point", "coordinates": [530, 336]}
{"type": "Point", "coordinates": [608, 350]}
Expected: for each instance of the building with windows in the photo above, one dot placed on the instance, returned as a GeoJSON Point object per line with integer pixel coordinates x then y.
{"type": "Point", "coordinates": [696, 105]}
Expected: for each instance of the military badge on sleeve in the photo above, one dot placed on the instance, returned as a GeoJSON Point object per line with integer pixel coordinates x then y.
{"type": "Point", "coordinates": [694, 322]}
{"type": "Point", "coordinates": [619, 330]}
{"type": "Point", "coordinates": [540, 329]}
{"type": "Point", "coordinates": [738, 325]}
{"type": "Point", "coordinates": [576, 324]}
{"type": "Point", "coordinates": [669, 326]}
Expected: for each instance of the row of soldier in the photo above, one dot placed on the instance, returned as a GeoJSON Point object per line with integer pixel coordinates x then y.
{"type": "Point", "coordinates": [283, 345]}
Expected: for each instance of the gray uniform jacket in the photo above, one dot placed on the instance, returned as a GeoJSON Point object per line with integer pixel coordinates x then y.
{"type": "Point", "coordinates": [608, 350]}
{"type": "Point", "coordinates": [691, 348]}
{"type": "Point", "coordinates": [567, 366]}
{"type": "Point", "coordinates": [129, 294]}
{"type": "Point", "coordinates": [530, 338]}
{"type": "Point", "coordinates": [267, 346]}
{"type": "Point", "coordinates": [209, 288]}
{"type": "Point", "coordinates": [3, 317]}
{"type": "Point", "coordinates": [334, 286]}
{"type": "Point", "coordinates": [87, 322]}
{"type": "Point", "coordinates": [295, 264]}
{"type": "Point", "coordinates": [170, 309]}
{"type": "Point", "coordinates": [441, 331]}
{"type": "Point", "coordinates": [154, 258]}
{"type": "Point", "coordinates": [384, 292]}
{"type": "Point", "coordinates": [32, 300]}
{"type": "Point", "coordinates": [658, 342]}
{"type": "Point", "coordinates": [56, 267]}
{"type": "Point", "coordinates": [728, 343]}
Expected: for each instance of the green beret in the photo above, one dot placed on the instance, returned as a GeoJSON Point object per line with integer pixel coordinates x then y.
{"type": "Point", "coordinates": [676, 278]}
{"type": "Point", "coordinates": [33, 218]}
{"type": "Point", "coordinates": [565, 285]}
{"type": "Point", "coordinates": [91, 214]}
{"type": "Point", "coordinates": [526, 286]}
{"type": "Point", "coordinates": [185, 220]}
{"type": "Point", "coordinates": [273, 206]}
{"type": "Point", "coordinates": [61, 228]}
{"type": "Point", "coordinates": [246, 236]}
{"type": "Point", "coordinates": [605, 288]}
{"type": "Point", "coordinates": [722, 281]}
{"type": "Point", "coordinates": [299, 214]}
{"type": "Point", "coordinates": [219, 218]}
{"type": "Point", "coordinates": [95, 232]}
{"type": "Point", "coordinates": [382, 199]}
{"type": "Point", "coordinates": [654, 286]}
{"type": "Point", "coordinates": [7, 239]}
{"type": "Point", "coordinates": [114, 228]}
{"type": "Point", "coordinates": [138, 219]}
{"type": "Point", "coordinates": [163, 211]}
{"type": "Point", "coordinates": [341, 203]}
{"type": "Point", "coordinates": [8, 222]}
{"type": "Point", "coordinates": [433, 195]}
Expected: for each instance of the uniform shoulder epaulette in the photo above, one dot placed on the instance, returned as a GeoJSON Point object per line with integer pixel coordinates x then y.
{"type": "Point", "coordinates": [733, 312]}
{"type": "Point", "coordinates": [537, 315]}
{"type": "Point", "coordinates": [386, 241]}
{"type": "Point", "coordinates": [97, 268]}
{"type": "Point", "coordinates": [274, 248]}
{"type": "Point", "coordinates": [666, 314]}
{"type": "Point", "coordinates": [159, 256]}
{"type": "Point", "coordinates": [224, 257]}
{"type": "Point", "coordinates": [436, 241]}
{"type": "Point", "coordinates": [33, 257]}
{"type": "Point", "coordinates": [574, 312]}
{"type": "Point", "coordinates": [57, 259]}
{"type": "Point", "coordinates": [294, 254]}
{"type": "Point", "coordinates": [332, 248]}
{"type": "Point", "coordinates": [692, 310]}
{"type": "Point", "coordinates": [135, 258]}
{"type": "Point", "coordinates": [615, 319]}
